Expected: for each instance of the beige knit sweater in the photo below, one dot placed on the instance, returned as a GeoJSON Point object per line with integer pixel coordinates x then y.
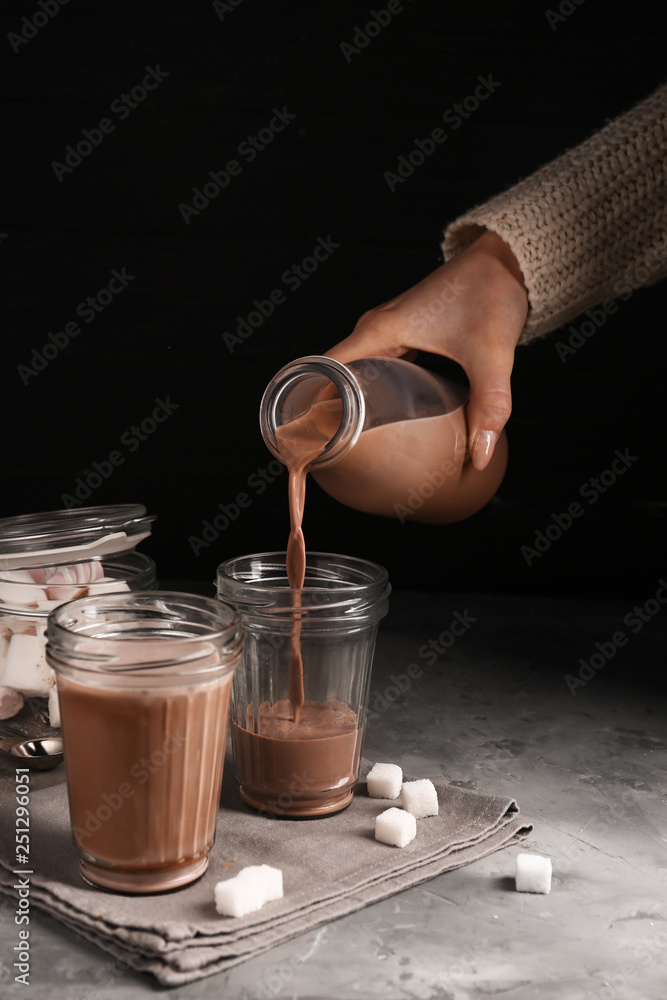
{"type": "Point", "coordinates": [588, 227]}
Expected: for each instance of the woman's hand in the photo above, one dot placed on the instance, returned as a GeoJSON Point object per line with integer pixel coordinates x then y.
{"type": "Point", "coordinates": [472, 310]}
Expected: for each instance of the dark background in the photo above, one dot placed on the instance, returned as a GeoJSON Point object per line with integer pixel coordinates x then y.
{"type": "Point", "coordinates": [323, 176]}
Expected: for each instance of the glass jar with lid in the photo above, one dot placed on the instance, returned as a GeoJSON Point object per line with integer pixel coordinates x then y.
{"type": "Point", "coordinates": [47, 559]}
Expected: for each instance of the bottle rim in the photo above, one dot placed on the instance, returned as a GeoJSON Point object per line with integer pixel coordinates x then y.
{"type": "Point", "coordinates": [352, 399]}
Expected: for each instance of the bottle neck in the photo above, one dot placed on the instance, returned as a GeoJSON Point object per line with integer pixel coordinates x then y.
{"type": "Point", "coordinates": [301, 386]}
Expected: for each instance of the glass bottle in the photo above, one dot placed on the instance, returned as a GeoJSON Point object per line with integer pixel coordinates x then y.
{"type": "Point", "coordinates": [398, 436]}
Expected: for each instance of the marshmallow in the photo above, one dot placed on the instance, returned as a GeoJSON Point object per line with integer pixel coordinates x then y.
{"type": "Point", "coordinates": [26, 669]}
{"type": "Point", "coordinates": [11, 702]}
{"type": "Point", "coordinates": [420, 798]}
{"type": "Point", "coordinates": [533, 873]}
{"type": "Point", "coordinates": [60, 594]}
{"type": "Point", "coordinates": [54, 708]}
{"type": "Point", "coordinates": [5, 636]}
{"type": "Point", "coordinates": [76, 573]}
{"type": "Point", "coordinates": [17, 592]}
{"type": "Point", "coordinates": [66, 583]}
{"type": "Point", "coordinates": [19, 623]}
{"type": "Point", "coordinates": [396, 827]}
{"type": "Point", "coordinates": [248, 891]}
{"type": "Point", "coordinates": [384, 781]}
{"type": "Point", "coordinates": [57, 584]}
{"type": "Point", "coordinates": [19, 576]}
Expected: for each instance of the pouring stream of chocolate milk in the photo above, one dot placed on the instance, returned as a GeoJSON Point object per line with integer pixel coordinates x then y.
{"type": "Point", "coordinates": [301, 441]}
{"type": "Point", "coordinates": [412, 466]}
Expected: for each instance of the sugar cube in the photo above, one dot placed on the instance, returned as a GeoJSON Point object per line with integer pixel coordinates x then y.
{"type": "Point", "coordinates": [396, 827]}
{"type": "Point", "coordinates": [420, 798]}
{"type": "Point", "coordinates": [270, 878]}
{"type": "Point", "coordinates": [533, 873]}
{"type": "Point", "coordinates": [384, 781]}
{"type": "Point", "coordinates": [249, 890]}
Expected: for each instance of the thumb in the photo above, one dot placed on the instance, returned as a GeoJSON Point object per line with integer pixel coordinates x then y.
{"type": "Point", "coordinates": [489, 407]}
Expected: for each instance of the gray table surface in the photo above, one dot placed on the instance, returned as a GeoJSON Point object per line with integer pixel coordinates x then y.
{"type": "Point", "coordinates": [495, 712]}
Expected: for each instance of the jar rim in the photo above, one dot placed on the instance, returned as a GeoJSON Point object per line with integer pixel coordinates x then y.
{"type": "Point", "coordinates": [315, 561]}
{"type": "Point", "coordinates": [327, 599]}
{"type": "Point", "coordinates": [96, 633]}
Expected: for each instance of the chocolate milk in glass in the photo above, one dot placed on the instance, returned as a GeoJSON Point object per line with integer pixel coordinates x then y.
{"type": "Point", "coordinates": [302, 768]}
{"type": "Point", "coordinates": [144, 770]}
{"type": "Point", "coordinates": [303, 759]}
{"type": "Point", "coordinates": [144, 686]}
{"type": "Point", "coordinates": [298, 757]}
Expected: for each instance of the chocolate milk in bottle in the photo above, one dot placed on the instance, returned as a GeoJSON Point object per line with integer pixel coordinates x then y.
{"type": "Point", "coordinates": [388, 438]}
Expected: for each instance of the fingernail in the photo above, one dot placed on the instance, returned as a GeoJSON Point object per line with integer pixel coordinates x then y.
{"type": "Point", "coordinates": [482, 448]}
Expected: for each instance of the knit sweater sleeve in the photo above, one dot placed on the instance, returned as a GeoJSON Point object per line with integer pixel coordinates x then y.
{"type": "Point", "coordinates": [588, 227]}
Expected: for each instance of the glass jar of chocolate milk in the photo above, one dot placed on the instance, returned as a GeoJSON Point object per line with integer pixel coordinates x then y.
{"type": "Point", "coordinates": [300, 695]}
{"type": "Point", "coordinates": [396, 436]}
{"type": "Point", "coordinates": [144, 683]}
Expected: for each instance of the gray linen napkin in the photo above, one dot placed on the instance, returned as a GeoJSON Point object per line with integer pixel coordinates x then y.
{"type": "Point", "coordinates": [331, 866]}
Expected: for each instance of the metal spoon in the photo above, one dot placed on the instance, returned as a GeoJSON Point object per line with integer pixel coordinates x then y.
{"type": "Point", "coordinates": [30, 738]}
{"type": "Point", "coordinates": [37, 754]}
